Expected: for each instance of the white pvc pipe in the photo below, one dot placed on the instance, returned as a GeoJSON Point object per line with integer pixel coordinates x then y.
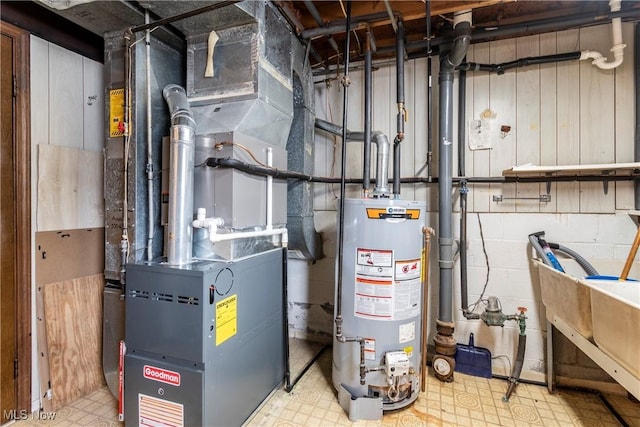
{"type": "Point", "coordinates": [269, 190]}
{"type": "Point", "coordinates": [617, 48]}
{"type": "Point", "coordinates": [210, 224]}
{"type": "Point", "coordinates": [214, 237]}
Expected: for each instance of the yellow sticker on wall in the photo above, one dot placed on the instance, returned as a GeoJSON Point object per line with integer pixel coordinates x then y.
{"type": "Point", "coordinates": [116, 112]}
{"type": "Point", "coordinates": [226, 319]}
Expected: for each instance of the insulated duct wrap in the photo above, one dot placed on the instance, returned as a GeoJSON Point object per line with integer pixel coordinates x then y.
{"type": "Point", "coordinates": [300, 157]}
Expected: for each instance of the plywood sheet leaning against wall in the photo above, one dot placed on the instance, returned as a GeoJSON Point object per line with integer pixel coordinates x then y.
{"type": "Point", "coordinates": [68, 256]}
{"type": "Point", "coordinates": [72, 312]}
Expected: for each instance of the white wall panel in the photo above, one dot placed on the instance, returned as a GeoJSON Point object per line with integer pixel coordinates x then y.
{"type": "Point", "coordinates": [480, 166]}
{"type": "Point", "coordinates": [548, 117]}
{"type": "Point", "coordinates": [624, 118]}
{"type": "Point", "coordinates": [93, 105]}
{"type": "Point", "coordinates": [419, 128]}
{"type": "Point", "coordinates": [65, 98]}
{"type": "Point", "coordinates": [432, 190]}
{"type": "Point", "coordinates": [355, 118]}
{"type": "Point", "coordinates": [568, 105]}
{"type": "Point", "coordinates": [383, 96]}
{"type": "Point", "coordinates": [410, 142]}
{"type": "Point", "coordinates": [39, 91]}
{"type": "Point", "coordinates": [527, 129]}
{"type": "Point", "coordinates": [597, 106]}
{"type": "Point", "coordinates": [503, 105]}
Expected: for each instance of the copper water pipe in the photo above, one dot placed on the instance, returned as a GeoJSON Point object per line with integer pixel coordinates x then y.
{"type": "Point", "coordinates": [428, 232]}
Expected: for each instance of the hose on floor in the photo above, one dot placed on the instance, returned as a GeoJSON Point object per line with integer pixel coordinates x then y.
{"type": "Point", "coordinates": [517, 368]}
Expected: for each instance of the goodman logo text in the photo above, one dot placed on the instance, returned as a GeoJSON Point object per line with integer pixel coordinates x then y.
{"type": "Point", "coordinates": [162, 375]}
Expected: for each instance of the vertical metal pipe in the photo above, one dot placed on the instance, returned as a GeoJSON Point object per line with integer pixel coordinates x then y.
{"type": "Point", "coordinates": [445, 157]}
{"type": "Point", "coordinates": [366, 167]}
{"type": "Point", "coordinates": [182, 137]}
{"type": "Point", "coordinates": [401, 108]}
{"type": "Point", "coordinates": [636, 153]}
{"type": "Point", "coordinates": [318, 18]}
{"type": "Point", "coordinates": [462, 28]}
{"type": "Point", "coordinates": [124, 242]}
{"type": "Point", "coordinates": [285, 320]}
{"type": "Point", "coordinates": [462, 104]}
{"type": "Point", "coordinates": [464, 297]}
{"type": "Point", "coordinates": [396, 169]}
{"type": "Point", "coordinates": [269, 206]}
{"type": "Point", "coordinates": [429, 92]}
{"type": "Point", "coordinates": [149, 167]}
{"type": "Point", "coordinates": [462, 95]}
{"type": "Point", "coordinates": [427, 231]}
{"type": "Point", "coordinates": [343, 168]}
{"type": "Point", "coordinates": [400, 70]}
{"type": "Point", "coordinates": [429, 118]}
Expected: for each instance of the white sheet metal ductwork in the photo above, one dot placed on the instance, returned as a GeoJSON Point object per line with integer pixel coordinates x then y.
{"type": "Point", "coordinates": [617, 48]}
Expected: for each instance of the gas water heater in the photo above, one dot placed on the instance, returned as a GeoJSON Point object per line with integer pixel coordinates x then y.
{"type": "Point", "coordinates": [381, 306]}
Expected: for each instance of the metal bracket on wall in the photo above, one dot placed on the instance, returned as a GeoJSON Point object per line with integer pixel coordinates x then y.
{"type": "Point", "coordinates": [542, 198]}
{"type": "Point", "coordinates": [605, 182]}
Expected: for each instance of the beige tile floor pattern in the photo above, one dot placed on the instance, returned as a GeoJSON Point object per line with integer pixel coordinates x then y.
{"type": "Point", "coordinates": [468, 401]}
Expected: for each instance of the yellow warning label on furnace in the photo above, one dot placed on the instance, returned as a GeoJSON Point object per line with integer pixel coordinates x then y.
{"type": "Point", "coordinates": [116, 112]}
{"type": "Point", "coordinates": [226, 319]}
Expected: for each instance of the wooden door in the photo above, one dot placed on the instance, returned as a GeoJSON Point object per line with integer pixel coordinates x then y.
{"type": "Point", "coordinates": [8, 347]}
{"type": "Point", "coordinates": [15, 223]}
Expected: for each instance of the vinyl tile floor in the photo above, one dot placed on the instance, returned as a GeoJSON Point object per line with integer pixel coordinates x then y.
{"type": "Point", "coordinates": [468, 401]}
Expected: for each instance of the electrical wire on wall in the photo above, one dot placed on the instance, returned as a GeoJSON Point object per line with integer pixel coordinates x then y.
{"type": "Point", "coordinates": [480, 299]}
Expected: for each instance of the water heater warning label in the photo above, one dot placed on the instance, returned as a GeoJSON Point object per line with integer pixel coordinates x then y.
{"type": "Point", "coordinates": [374, 262]}
{"type": "Point", "coordinates": [226, 319]}
{"type": "Point", "coordinates": [386, 289]}
{"type": "Point", "coordinates": [374, 299]}
{"type": "Point", "coordinates": [406, 290]}
{"type": "Point", "coordinates": [369, 349]}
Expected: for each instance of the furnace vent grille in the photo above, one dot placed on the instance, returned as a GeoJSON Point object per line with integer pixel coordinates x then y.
{"type": "Point", "coordinates": [188, 300]}
{"type": "Point", "coordinates": [162, 297]}
{"type": "Point", "coordinates": [157, 296]}
{"type": "Point", "coordinates": [134, 293]}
